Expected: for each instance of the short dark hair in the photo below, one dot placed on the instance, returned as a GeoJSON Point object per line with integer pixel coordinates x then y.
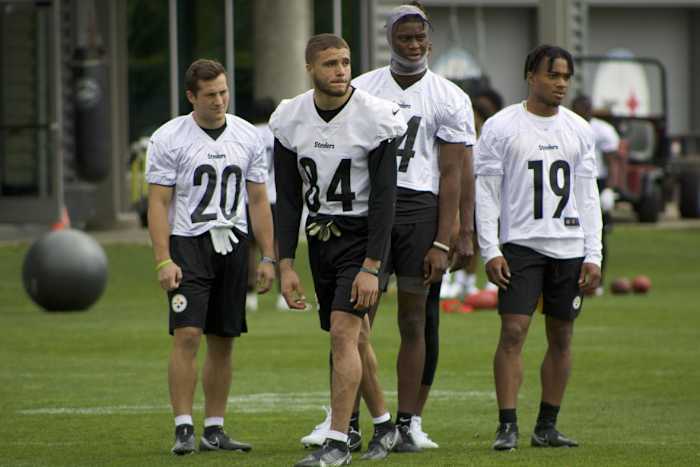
{"type": "Point", "coordinates": [321, 42]}
{"type": "Point", "coordinates": [204, 70]}
{"type": "Point", "coordinates": [492, 96]}
{"type": "Point", "coordinates": [532, 62]}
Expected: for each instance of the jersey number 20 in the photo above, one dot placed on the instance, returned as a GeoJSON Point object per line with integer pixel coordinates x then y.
{"type": "Point", "coordinates": [563, 190]}
{"type": "Point", "coordinates": [198, 215]}
{"type": "Point", "coordinates": [341, 179]}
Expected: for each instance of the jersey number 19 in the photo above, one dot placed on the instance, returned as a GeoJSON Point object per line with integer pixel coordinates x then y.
{"type": "Point", "coordinates": [562, 190]}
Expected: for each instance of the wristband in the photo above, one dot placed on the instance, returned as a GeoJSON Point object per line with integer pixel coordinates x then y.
{"type": "Point", "coordinates": [267, 259]}
{"type": "Point", "coordinates": [441, 246]}
{"type": "Point", "coordinates": [373, 271]}
{"type": "Point", "coordinates": [163, 263]}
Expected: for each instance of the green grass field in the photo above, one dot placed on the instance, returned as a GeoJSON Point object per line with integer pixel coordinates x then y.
{"type": "Point", "coordinates": [90, 388]}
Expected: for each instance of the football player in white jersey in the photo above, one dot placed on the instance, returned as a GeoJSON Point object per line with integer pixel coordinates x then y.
{"type": "Point", "coordinates": [433, 160]}
{"type": "Point", "coordinates": [199, 168]}
{"type": "Point", "coordinates": [607, 143]}
{"type": "Point", "coordinates": [335, 150]}
{"type": "Point", "coordinates": [539, 226]}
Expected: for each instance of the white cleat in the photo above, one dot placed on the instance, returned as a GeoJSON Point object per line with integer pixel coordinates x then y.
{"type": "Point", "coordinates": [450, 288]}
{"type": "Point", "coordinates": [419, 436]}
{"type": "Point", "coordinates": [282, 303]}
{"type": "Point", "coordinates": [251, 301]}
{"type": "Point", "coordinates": [319, 433]}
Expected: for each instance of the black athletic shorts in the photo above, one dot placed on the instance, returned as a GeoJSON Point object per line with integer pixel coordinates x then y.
{"type": "Point", "coordinates": [533, 274]}
{"type": "Point", "coordinates": [212, 292]}
{"type": "Point", "coordinates": [334, 265]}
{"type": "Point", "coordinates": [409, 245]}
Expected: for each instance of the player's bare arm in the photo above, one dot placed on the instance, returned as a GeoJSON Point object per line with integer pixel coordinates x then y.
{"type": "Point", "coordinates": [290, 285]}
{"type": "Point", "coordinates": [159, 199]}
{"type": "Point", "coordinates": [461, 247]}
{"type": "Point", "coordinates": [382, 202]}
{"type": "Point", "coordinates": [261, 221]}
{"type": "Point", "coordinates": [498, 272]}
{"type": "Point", "coordinates": [450, 163]}
{"type": "Point", "coordinates": [589, 279]}
{"type": "Point", "coordinates": [365, 287]}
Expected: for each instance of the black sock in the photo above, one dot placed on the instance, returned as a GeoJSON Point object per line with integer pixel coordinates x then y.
{"type": "Point", "coordinates": [548, 414]}
{"type": "Point", "coordinates": [355, 421]}
{"type": "Point", "coordinates": [403, 418]}
{"type": "Point", "coordinates": [209, 430]}
{"type": "Point", "coordinates": [507, 416]}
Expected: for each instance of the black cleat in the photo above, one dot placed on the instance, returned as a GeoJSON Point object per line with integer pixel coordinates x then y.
{"type": "Point", "coordinates": [506, 437]}
{"type": "Point", "coordinates": [331, 453]}
{"type": "Point", "coordinates": [218, 440]}
{"type": "Point", "coordinates": [549, 437]}
{"type": "Point", "coordinates": [405, 442]}
{"type": "Point", "coordinates": [383, 441]}
{"type": "Point", "coordinates": [354, 440]}
{"type": "Point", "coordinates": [184, 440]}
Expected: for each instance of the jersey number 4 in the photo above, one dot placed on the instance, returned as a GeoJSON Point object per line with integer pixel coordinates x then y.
{"type": "Point", "coordinates": [198, 215]}
{"type": "Point", "coordinates": [562, 190]}
{"type": "Point", "coordinates": [406, 153]}
{"type": "Point", "coordinates": [341, 179]}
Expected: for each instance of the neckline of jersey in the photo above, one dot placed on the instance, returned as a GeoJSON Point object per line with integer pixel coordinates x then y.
{"type": "Point", "coordinates": [338, 117]}
{"type": "Point", "coordinates": [414, 87]}
{"type": "Point", "coordinates": [203, 132]}
{"type": "Point", "coordinates": [539, 118]}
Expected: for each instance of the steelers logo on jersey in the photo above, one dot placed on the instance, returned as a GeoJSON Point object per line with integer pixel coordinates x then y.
{"type": "Point", "coordinates": [178, 303]}
{"type": "Point", "coordinates": [577, 303]}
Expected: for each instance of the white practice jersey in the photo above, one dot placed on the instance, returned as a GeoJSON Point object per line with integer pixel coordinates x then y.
{"type": "Point", "coordinates": [208, 176]}
{"type": "Point", "coordinates": [268, 140]}
{"type": "Point", "coordinates": [606, 140]}
{"type": "Point", "coordinates": [435, 109]}
{"type": "Point", "coordinates": [537, 158]}
{"type": "Point", "coordinates": [332, 157]}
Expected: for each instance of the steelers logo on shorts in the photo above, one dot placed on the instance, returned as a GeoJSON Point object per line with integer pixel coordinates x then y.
{"type": "Point", "coordinates": [178, 303]}
{"type": "Point", "coordinates": [577, 302]}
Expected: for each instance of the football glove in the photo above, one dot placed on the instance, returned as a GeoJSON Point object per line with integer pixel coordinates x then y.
{"type": "Point", "coordinates": [607, 200]}
{"type": "Point", "coordinates": [223, 239]}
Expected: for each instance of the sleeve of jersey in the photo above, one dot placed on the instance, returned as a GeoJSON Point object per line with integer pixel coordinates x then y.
{"type": "Point", "coordinates": [470, 126]}
{"type": "Point", "coordinates": [586, 164]}
{"type": "Point", "coordinates": [276, 124]}
{"type": "Point", "coordinates": [487, 158]}
{"type": "Point", "coordinates": [611, 140]}
{"type": "Point", "coordinates": [257, 170]}
{"type": "Point", "coordinates": [488, 210]}
{"type": "Point", "coordinates": [453, 125]}
{"type": "Point", "coordinates": [382, 197]}
{"type": "Point", "coordinates": [289, 201]}
{"type": "Point", "coordinates": [390, 124]}
{"type": "Point", "coordinates": [161, 167]}
{"type": "Point", "coordinates": [588, 203]}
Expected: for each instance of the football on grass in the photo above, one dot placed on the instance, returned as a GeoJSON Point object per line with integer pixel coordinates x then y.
{"type": "Point", "coordinates": [621, 286]}
{"type": "Point", "coordinates": [641, 284]}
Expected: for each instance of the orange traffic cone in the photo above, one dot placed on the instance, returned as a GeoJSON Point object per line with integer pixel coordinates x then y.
{"type": "Point", "coordinates": [63, 222]}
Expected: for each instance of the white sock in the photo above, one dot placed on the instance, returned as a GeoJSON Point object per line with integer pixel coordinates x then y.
{"type": "Point", "coordinates": [382, 418]}
{"type": "Point", "coordinates": [183, 420]}
{"type": "Point", "coordinates": [213, 421]}
{"type": "Point", "coordinates": [337, 436]}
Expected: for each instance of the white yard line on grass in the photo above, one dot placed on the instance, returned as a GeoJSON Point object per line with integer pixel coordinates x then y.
{"type": "Point", "coordinates": [249, 403]}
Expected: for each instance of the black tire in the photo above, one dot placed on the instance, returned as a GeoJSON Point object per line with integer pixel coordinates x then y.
{"type": "Point", "coordinates": [650, 205]}
{"type": "Point", "coordinates": [690, 193]}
